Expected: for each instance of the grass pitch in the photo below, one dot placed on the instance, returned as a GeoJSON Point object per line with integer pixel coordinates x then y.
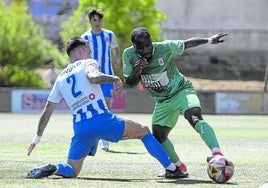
{"type": "Point", "coordinates": [243, 139]}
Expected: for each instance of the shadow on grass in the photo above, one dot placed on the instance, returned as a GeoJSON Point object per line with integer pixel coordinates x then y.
{"type": "Point", "coordinates": [116, 179]}
{"type": "Point", "coordinates": [125, 152]}
{"type": "Point", "coordinates": [186, 181]}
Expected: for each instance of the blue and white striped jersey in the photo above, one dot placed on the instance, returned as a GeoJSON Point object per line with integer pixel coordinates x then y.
{"type": "Point", "coordinates": [84, 99]}
{"type": "Point", "coordinates": [101, 45]}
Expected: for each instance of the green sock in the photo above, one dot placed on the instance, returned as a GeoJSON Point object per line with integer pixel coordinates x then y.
{"type": "Point", "coordinates": [170, 150]}
{"type": "Point", "coordinates": [207, 134]}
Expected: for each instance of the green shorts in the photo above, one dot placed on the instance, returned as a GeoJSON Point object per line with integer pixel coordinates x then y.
{"type": "Point", "coordinates": [167, 112]}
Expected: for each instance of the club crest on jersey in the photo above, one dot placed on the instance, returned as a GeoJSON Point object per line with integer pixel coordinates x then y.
{"type": "Point", "coordinates": [161, 61]}
{"type": "Point", "coordinates": [91, 96]}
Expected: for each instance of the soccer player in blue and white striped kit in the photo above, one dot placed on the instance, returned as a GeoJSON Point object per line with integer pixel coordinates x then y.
{"type": "Point", "coordinates": [78, 85]}
{"type": "Point", "coordinates": [102, 42]}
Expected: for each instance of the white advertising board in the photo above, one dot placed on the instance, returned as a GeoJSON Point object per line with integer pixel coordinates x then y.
{"type": "Point", "coordinates": [33, 101]}
{"type": "Point", "coordinates": [238, 103]}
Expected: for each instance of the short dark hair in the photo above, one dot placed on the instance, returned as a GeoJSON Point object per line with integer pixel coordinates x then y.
{"type": "Point", "coordinates": [139, 34]}
{"type": "Point", "coordinates": [74, 42]}
{"type": "Point", "coordinates": [94, 12]}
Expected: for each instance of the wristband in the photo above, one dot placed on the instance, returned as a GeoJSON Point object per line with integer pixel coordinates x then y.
{"type": "Point", "coordinates": [36, 139]}
{"type": "Point", "coordinates": [209, 40]}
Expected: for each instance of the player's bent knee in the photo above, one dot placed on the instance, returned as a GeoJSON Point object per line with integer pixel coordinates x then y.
{"type": "Point", "coordinates": [76, 165]}
{"type": "Point", "coordinates": [161, 132]}
{"type": "Point", "coordinates": [134, 130]}
{"type": "Point", "coordinates": [193, 115]}
{"type": "Point", "coordinates": [146, 129]}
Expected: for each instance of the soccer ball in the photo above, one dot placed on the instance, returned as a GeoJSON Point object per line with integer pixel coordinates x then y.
{"type": "Point", "coordinates": [220, 169]}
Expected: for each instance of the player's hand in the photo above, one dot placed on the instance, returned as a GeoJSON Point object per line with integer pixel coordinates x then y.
{"type": "Point", "coordinates": [117, 64]}
{"type": "Point", "coordinates": [31, 147]}
{"type": "Point", "coordinates": [217, 38]}
{"type": "Point", "coordinates": [35, 141]}
{"type": "Point", "coordinates": [118, 87]}
{"type": "Point", "coordinates": [140, 65]}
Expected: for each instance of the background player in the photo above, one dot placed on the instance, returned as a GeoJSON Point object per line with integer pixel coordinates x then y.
{"type": "Point", "coordinates": [101, 42]}
{"type": "Point", "coordinates": [50, 75]}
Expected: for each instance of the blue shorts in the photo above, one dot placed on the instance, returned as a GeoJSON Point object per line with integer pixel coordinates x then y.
{"type": "Point", "coordinates": [107, 90]}
{"type": "Point", "coordinates": [87, 134]}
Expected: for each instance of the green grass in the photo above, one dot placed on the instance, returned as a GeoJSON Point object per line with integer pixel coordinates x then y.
{"type": "Point", "coordinates": [243, 139]}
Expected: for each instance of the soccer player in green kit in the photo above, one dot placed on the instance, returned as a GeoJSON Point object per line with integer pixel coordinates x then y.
{"type": "Point", "coordinates": [152, 64]}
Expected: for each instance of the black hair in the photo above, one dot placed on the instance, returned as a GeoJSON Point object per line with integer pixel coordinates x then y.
{"type": "Point", "coordinates": [94, 12]}
{"type": "Point", "coordinates": [74, 42]}
{"type": "Point", "coordinates": [139, 34]}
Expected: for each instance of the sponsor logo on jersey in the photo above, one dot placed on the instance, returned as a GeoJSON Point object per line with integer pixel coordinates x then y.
{"type": "Point", "coordinates": [91, 96]}
{"type": "Point", "coordinates": [161, 61]}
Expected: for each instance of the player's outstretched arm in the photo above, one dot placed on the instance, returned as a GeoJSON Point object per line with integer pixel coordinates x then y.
{"type": "Point", "coordinates": [43, 121]}
{"type": "Point", "coordinates": [97, 77]}
{"type": "Point", "coordinates": [215, 39]}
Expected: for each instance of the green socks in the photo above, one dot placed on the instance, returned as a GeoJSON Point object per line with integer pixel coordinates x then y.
{"type": "Point", "coordinates": [207, 134]}
{"type": "Point", "coordinates": [170, 150]}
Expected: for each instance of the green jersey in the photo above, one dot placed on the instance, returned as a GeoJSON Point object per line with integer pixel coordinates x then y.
{"type": "Point", "coordinates": [162, 77]}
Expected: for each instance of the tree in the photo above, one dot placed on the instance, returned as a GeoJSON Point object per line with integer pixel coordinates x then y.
{"type": "Point", "coordinates": [23, 47]}
{"type": "Point", "coordinates": [120, 16]}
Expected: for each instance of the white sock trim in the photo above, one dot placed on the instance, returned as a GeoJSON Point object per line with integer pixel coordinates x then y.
{"type": "Point", "coordinates": [171, 167]}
